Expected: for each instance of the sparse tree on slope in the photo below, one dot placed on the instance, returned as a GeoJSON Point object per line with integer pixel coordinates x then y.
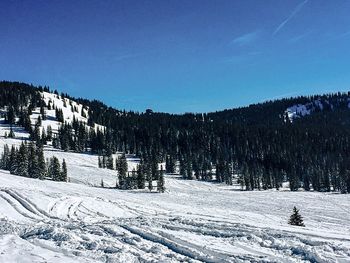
{"type": "Point", "coordinates": [160, 182]}
{"type": "Point", "coordinates": [296, 219]}
{"type": "Point", "coordinates": [140, 176]}
{"type": "Point", "coordinates": [64, 175]}
{"type": "Point", "coordinates": [55, 169]}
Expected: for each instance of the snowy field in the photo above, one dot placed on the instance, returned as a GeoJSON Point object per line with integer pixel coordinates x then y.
{"type": "Point", "coordinates": [45, 221]}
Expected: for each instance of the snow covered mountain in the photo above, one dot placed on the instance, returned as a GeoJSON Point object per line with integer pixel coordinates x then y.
{"type": "Point", "coordinates": [318, 105]}
{"type": "Point", "coordinates": [193, 221]}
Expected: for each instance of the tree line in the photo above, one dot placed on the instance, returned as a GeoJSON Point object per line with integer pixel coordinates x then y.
{"type": "Point", "coordinates": [28, 161]}
{"type": "Point", "coordinates": [256, 145]}
{"type": "Point", "coordinates": [146, 173]}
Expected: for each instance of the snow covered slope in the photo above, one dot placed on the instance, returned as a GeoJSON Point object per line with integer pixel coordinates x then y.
{"type": "Point", "coordinates": [45, 221]}
{"type": "Point", "coordinates": [319, 104]}
{"type": "Point", "coordinates": [192, 222]}
{"type": "Point", "coordinates": [301, 110]}
{"type": "Point", "coordinates": [70, 108]}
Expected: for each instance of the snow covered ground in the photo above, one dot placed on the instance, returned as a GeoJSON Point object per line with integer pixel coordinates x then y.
{"type": "Point", "coordinates": [44, 221]}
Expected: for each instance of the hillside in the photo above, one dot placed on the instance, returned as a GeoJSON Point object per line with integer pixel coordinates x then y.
{"type": "Point", "coordinates": [303, 140]}
{"type": "Point", "coordinates": [204, 215]}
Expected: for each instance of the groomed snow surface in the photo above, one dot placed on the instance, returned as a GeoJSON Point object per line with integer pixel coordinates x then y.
{"type": "Point", "coordinates": [45, 221]}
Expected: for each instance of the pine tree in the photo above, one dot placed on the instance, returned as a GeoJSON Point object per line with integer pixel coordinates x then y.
{"type": "Point", "coordinates": [5, 158]}
{"type": "Point", "coordinates": [160, 182]}
{"type": "Point", "coordinates": [55, 169]}
{"type": "Point", "coordinates": [140, 177]}
{"type": "Point", "coordinates": [41, 163]}
{"type": "Point", "coordinates": [49, 133]}
{"type": "Point", "coordinates": [150, 182]}
{"type": "Point", "coordinates": [122, 168]}
{"type": "Point", "coordinates": [22, 160]}
{"type": "Point", "coordinates": [11, 133]}
{"type": "Point", "coordinates": [296, 219]}
{"type": "Point", "coordinates": [100, 162]}
{"type": "Point", "coordinates": [64, 175]}
{"type": "Point", "coordinates": [13, 164]}
{"type": "Point", "coordinates": [43, 113]}
{"type": "Point", "coordinates": [110, 162]}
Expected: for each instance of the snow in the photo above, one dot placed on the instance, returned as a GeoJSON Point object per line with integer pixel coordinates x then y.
{"type": "Point", "coordinates": [68, 114]}
{"type": "Point", "coordinates": [193, 221]}
{"type": "Point", "coordinates": [297, 111]}
{"type": "Point", "coordinates": [300, 110]}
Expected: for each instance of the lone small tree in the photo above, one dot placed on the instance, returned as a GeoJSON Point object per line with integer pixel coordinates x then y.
{"type": "Point", "coordinates": [296, 219]}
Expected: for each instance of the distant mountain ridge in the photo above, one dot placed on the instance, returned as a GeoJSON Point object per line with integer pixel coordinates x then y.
{"type": "Point", "coordinates": [302, 140]}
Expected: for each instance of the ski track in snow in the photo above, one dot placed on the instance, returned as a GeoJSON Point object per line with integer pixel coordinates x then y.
{"type": "Point", "coordinates": [70, 226]}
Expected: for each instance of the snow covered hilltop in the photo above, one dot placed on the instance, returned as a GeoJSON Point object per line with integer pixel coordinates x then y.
{"type": "Point", "coordinates": [294, 150]}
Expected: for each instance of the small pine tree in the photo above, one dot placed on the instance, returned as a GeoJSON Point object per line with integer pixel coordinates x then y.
{"type": "Point", "coordinates": [122, 167]}
{"type": "Point", "coordinates": [64, 173]}
{"type": "Point", "coordinates": [41, 163]}
{"type": "Point", "coordinates": [160, 183]}
{"type": "Point", "coordinates": [11, 134]}
{"type": "Point", "coordinates": [296, 219]}
{"type": "Point", "coordinates": [55, 169]}
{"type": "Point", "coordinates": [110, 162]}
{"type": "Point", "coordinates": [22, 161]}
{"type": "Point", "coordinates": [140, 177]}
{"type": "Point", "coordinates": [49, 133]}
{"type": "Point", "coordinates": [99, 162]}
{"type": "Point", "coordinates": [150, 182]}
{"type": "Point", "coordinates": [13, 165]}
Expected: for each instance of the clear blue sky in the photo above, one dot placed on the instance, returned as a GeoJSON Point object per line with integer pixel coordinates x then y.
{"type": "Point", "coordinates": [175, 55]}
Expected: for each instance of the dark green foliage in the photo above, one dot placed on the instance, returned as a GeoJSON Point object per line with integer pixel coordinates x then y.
{"type": "Point", "coordinates": [59, 115]}
{"type": "Point", "coordinates": [296, 219]}
{"type": "Point", "coordinates": [257, 142]}
{"type": "Point", "coordinates": [5, 158]}
{"type": "Point", "coordinates": [160, 182]}
{"type": "Point", "coordinates": [64, 175]}
{"type": "Point", "coordinates": [22, 161]}
{"type": "Point", "coordinates": [110, 163]}
{"type": "Point", "coordinates": [122, 168]}
{"type": "Point", "coordinates": [54, 169]}
{"type": "Point", "coordinates": [11, 133]}
{"type": "Point", "coordinates": [29, 161]}
{"type": "Point", "coordinates": [141, 176]}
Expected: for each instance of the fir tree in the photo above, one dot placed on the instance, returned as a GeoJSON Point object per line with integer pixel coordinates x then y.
{"type": "Point", "coordinates": [13, 163]}
{"type": "Point", "coordinates": [11, 133]}
{"type": "Point", "coordinates": [55, 169]}
{"type": "Point", "coordinates": [110, 162]}
{"type": "Point", "coordinates": [150, 182]}
{"type": "Point", "coordinates": [49, 133]}
{"type": "Point", "coordinates": [160, 183]}
{"type": "Point", "coordinates": [122, 168]}
{"type": "Point", "coordinates": [140, 177]}
{"type": "Point", "coordinates": [100, 162]}
{"type": "Point", "coordinates": [22, 160]}
{"type": "Point", "coordinates": [64, 175]}
{"type": "Point", "coordinates": [296, 219]}
{"type": "Point", "coordinates": [41, 163]}
{"type": "Point", "coordinates": [5, 158]}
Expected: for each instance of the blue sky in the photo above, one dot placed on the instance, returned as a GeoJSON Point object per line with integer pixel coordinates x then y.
{"type": "Point", "coordinates": [178, 56]}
